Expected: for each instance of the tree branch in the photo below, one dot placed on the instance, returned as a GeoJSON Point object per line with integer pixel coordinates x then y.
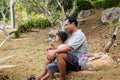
{"type": "Point", "coordinates": [74, 8]}
{"type": "Point", "coordinates": [112, 40]}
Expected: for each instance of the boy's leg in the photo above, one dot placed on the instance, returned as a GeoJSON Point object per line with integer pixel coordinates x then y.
{"type": "Point", "coordinates": [52, 67]}
{"type": "Point", "coordinates": [44, 70]}
{"type": "Point", "coordinates": [48, 75]}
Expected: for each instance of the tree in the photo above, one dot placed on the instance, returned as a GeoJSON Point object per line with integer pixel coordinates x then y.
{"type": "Point", "coordinates": [3, 11]}
{"type": "Point", "coordinates": [49, 8]}
{"type": "Point", "coordinates": [41, 6]}
{"type": "Point", "coordinates": [64, 15]}
{"type": "Point", "coordinates": [12, 14]}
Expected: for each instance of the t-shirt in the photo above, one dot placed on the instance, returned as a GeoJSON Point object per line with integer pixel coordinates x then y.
{"type": "Point", "coordinates": [79, 44]}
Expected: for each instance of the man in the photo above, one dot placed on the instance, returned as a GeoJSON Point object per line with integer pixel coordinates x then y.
{"type": "Point", "coordinates": [73, 56]}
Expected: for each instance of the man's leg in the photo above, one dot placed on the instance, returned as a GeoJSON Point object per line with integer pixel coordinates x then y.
{"type": "Point", "coordinates": [61, 62]}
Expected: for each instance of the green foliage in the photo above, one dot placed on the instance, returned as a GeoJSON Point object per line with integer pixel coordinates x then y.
{"type": "Point", "coordinates": [84, 5]}
{"type": "Point", "coordinates": [24, 27]}
{"type": "Point", "coordinates": [41, 23]}
{"type": "Point", "coordinates": [118, 24]}
{"type": "Point", "coordinates": [111, 25]}
{"type": "Point", "coordinates": [119, 4]}
{"type": "Point", "coordinates": [115, 24]}
{"type": "Point", "coordinates": [94, 0]}
{"type": "Point", "coordinates": [4, 6]}
{"type": "Point", "coordinates": [94, 27]}
{"type": "Point", "coordinates": [98, 4]}
{"type": "Point", "coordinates": [32, 23]}
{"type": "Point", "coordinates": [110, 3]}
{"type": "Point", "coordinates": [67, 4]}
{"type": "Point", "coordinates": [56, 16]}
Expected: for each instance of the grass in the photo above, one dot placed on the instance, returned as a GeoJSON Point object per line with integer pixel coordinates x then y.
{"type": "Point", "coordinates": [30, 49]}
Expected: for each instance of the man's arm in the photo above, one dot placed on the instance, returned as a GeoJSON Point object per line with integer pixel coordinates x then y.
{"type": "Point", "coordinates": [64, 49]}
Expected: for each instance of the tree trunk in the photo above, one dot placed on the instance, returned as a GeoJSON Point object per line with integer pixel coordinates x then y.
{"type": "Point", "coordinates": [12, 14]}
{"type": "Point", "coordinates": [2, 26]}
{"type": "Point", "coordinates": [62, 21]}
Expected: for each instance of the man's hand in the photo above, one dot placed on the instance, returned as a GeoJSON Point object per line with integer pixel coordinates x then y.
{"type": "Point", "coordinates": [51, 54]}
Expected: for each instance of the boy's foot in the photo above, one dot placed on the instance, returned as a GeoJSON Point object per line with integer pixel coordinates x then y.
{"type": "Point", "coordinates": [39, 77]}
{"type": "Point", "coordinates": [60, 79]}
{"type": "Point", "coordinates": [31, 78]}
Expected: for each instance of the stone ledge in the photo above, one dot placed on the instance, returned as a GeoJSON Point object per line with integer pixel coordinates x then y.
{"type": "Point", "coordinates": [77, 73]}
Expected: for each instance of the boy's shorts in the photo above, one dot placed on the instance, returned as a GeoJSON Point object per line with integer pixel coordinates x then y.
{"type": "Point", "coordinates": [71, 64]}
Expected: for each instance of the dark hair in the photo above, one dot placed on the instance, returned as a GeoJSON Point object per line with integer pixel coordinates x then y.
{"type": "Point", "coordinates": [63, 35]}
{"type": "Point", "coordinates": [72, 19]}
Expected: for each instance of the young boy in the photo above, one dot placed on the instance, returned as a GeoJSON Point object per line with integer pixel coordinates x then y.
{"type": "Point", "coordinates": [61, 37]}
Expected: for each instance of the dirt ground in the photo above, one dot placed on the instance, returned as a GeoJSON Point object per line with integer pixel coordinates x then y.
{"type": "Point", "coordinates": [30, 49]}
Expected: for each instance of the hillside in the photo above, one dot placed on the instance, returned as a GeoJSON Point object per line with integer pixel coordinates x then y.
{"type": "Point", "coordinates": [30, 48]}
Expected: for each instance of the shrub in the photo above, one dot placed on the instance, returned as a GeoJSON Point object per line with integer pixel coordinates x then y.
{"type": "Point", "coordinates": [98, 4]}
{"type": "Point", "coordinates": [84, 5]}
{"type": "Point", "coordinates": [41, 23]}
{"type": "Point", "coordinates": [30, 24]}
{"type": "Point", "coordinates": [37, 23]}
{"type": "Point", "coordinates": [110, 3]}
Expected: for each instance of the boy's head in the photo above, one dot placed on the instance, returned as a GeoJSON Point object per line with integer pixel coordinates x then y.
{"type": "Point", "coordinates": [62, 35]}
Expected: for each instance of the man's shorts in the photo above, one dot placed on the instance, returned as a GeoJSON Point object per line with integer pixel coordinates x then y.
{"type": "Point", "coordinates": [71, 64]}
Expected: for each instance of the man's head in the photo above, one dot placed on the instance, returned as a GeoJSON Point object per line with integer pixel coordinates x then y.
{"type": "Point", "coordinates": [71, 24]}
{"type": "Point", "coordinates": [61, 35]}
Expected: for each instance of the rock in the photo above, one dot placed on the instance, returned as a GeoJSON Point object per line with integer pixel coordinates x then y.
{"type": "Point", "coordinates": [97, 60]}
{"type": "Point", "coordinates": [110, 15]}
{"type": "Point", "coordinates": [81, 18]}
{"type": "Point", "coordinates": [53, 32]}
{"type": "Point", "coordinates": [52, 35]}
{"type": "Point", "coordinates": [84, 13]}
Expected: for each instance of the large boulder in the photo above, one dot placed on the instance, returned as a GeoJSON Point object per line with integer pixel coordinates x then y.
{"type": "Point", "coordinates": [84, 14]}
{"type": "Point", "coordinates": [95, 61]}
{"type": "Point", "coordinates": [110, 15]}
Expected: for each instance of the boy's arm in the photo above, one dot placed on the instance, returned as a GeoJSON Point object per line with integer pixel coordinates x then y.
{"type": "Point", "coordinates": [51, 47]}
